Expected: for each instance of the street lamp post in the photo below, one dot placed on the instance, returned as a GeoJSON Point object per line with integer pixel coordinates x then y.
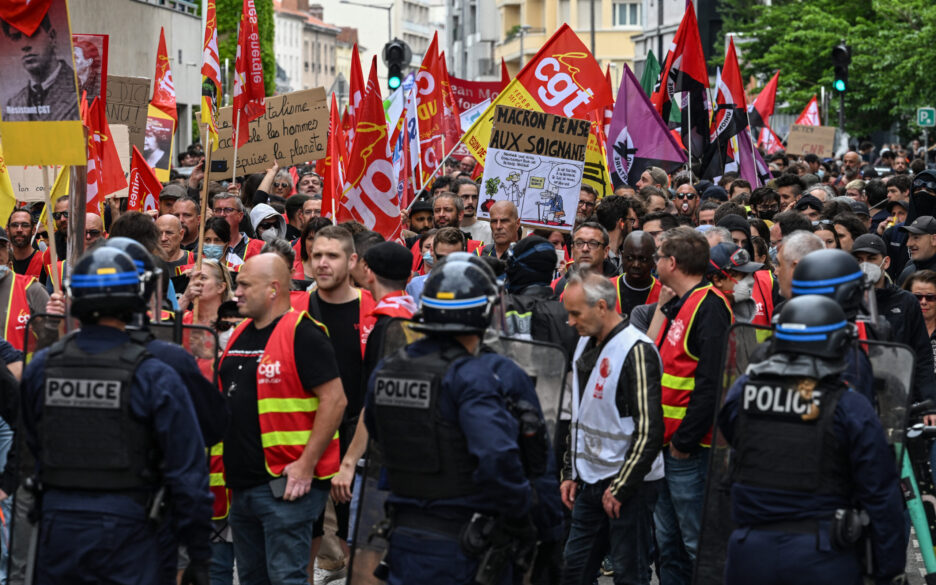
{"type": "Point", "coordinates": [523, 32]}
{"type": "Point", "coordinates": [388, 8]}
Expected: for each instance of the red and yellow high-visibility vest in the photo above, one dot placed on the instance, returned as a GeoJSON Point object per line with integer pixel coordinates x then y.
{"type": "Point", "coordinates": [286, 409]}
{"type": "Point", "coordinates": [17, 311]}
{"type": "Point", "coordinates": [653, 295]}
{"type": "Point", "coordinates": [34, 268]}
{"type": "Point", "coordinates": [253, 247]}
{"type": "Point", "coordinates": [762, 294]}
{"type": "Point", "coordinates": [222, 496]}
{"type": "Point", "coordinates": [679, 365]}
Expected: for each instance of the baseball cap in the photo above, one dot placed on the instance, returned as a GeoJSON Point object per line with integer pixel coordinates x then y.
{"type": "Point", "coordinates": [421, 205]}
{"type": "Point", "coordinates": [173, 191]}
{"type": "Point", "coordinates": [925, 224]}
{"type": "Point", "coordinates": [900, 202]}
{"type": "Point", "coordinates": [870, 243]}
{"type": "Point", "coordinates": [3, 235]}
{"type": "Point", "coordinates": [727, 256]}
{"type": "Point", "coordinates": [859, 207]}
{"type": "Point", "coordinates": [808, 201]}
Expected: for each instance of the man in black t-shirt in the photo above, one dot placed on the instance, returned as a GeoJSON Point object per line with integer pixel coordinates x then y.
{"type": "Point", "coordinates": [275, 360]}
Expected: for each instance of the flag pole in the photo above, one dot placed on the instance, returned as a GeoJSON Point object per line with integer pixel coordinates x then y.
{"type": "Point", "coordinates": [236, 140]}
{"type": "Point", "coordinates": [432, 176]}
{"type": "Point", "coordinates": [689, 128]}
{"type": "Point", "coordinates": [753, 157]}
{"type": "Point", "coordinates": [203, 212]}
{"type": "Point", "coordinates": [50, 229]}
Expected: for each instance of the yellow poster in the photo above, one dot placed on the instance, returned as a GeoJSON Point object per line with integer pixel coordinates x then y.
{"type": "Point", "coordinates": [157, 142]}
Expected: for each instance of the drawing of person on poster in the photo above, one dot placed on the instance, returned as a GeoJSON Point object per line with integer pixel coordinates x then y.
{"type": "Point", "coordinates": [91, 64]}
{"type": "Point", "coordinates": [41, 85]}
{"type": "Point", "coordinates": [157, 143]}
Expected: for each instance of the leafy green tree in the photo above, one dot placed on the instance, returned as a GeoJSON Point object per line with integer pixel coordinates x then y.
{"type": "Point", "coordinates": [891, 70]}
{"type": "Point", "coordinates": [229, 14]}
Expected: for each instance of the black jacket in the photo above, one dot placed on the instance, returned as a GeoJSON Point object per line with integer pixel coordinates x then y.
{"type": "Point", "coordinates": [902, 312]}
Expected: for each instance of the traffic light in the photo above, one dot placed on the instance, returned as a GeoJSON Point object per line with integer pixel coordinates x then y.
{"type": "Point", "coordinates": [396, 56]}
{"type": "Point", "coordinates": [841, 59]}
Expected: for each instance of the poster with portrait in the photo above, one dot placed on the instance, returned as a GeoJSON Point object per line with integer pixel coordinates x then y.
{"type": "Point", "coordinates": [157, 142]}
{"type": "Point", "coordinates": [91, 65]}
{"type": "Point", "coordinates": [39, 116]}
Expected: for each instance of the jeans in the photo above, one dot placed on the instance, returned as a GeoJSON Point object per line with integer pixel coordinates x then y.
{"type": "Point", "coordinates": [222, 563]}
{"type": "Point", "coordinates": [625, 539]}
{"type": "Point", "coordinates": [6, 443]}
{"type": "Point", "coordinates": [678, 515]}
{"type": "Point", "coordinates": [272, 537]}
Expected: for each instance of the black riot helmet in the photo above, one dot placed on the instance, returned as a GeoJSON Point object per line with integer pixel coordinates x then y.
{"type": "Point", "coordinates": [812, 325]}
{"type": "Point", "coordinates": [458, 296]}
{"type": "Point", "coordinates": [142, 259]}
{"type": "Point", "coordinates": [105, 282]}
{"type": "Point", "coordinates": [834, 274]}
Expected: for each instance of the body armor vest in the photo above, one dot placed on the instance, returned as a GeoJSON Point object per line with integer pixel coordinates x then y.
{"type": "Point", "coordinates": [782, 443]}
{"type": "Point", "coordinates": [425, 455]}
{"type": "Point", "coordinates": [89, 437]}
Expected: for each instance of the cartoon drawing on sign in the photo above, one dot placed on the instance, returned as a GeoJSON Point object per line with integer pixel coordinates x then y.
{"type": "Point", "coordinates": [512, 189]}
{"type": "Point", "coordinates": [550, 207]}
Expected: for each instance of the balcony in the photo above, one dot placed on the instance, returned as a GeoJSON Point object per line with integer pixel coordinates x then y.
{"type": "Point", "coordinates": [183, 6]}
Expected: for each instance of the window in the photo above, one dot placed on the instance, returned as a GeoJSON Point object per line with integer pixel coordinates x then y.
{"type": "Point", "coordinates": [626, 14]}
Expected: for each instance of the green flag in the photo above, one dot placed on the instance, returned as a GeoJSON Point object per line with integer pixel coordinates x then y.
{"type": "Point", "coordinates": [651, 73]}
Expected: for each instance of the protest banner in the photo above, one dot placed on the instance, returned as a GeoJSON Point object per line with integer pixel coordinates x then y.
{"type": "Point", "coordinates": [157, 141]}
{"type": "Point", "coordinates": [293, 130]}
{"type": "Point", "coordinates": [818, 140]}
{"type": "Point", "coordinates": [127, 101]}
{"type": "Point", "coordinates": [535, 160]}
{"type": "Point", "coordinates": [40, 127]}
{"type": "Point", "coordinates": [27, 182]}
{"type": "Point", "coordinates": [91, 65]}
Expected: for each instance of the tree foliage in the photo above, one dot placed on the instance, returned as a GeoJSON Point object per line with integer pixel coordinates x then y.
{"type": "Point", "coordinates": [890, 44]}
{"type": "Point", "coordinates": [229, 14]}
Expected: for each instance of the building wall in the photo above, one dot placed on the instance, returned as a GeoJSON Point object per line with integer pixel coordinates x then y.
{"type": "Point", "coordinates": [319, 57]}
{"type": "Point", "coordinates": [288, 43]}
{"type": "Point", "coordinates": [133, 48]}
{"type": "Point", "coordinates": [472, 34]}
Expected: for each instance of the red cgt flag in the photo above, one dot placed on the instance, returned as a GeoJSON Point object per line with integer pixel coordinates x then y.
{"type": "Point", "coordinates": [163, 89]}
{"type": "Point", "coordinates": [357, 90]}
{"type": "Point", "coordinates": [249, 93]}
{"type": "Point", "coordinates": [370, 189]}
{"type": "Point", "coordinates": [144, 186]}
{"type": "Point", "coordinates": [332, 166]}
{"type": "Point", "coordinates": [111, 176]}
{"type": "Point", "coordinates": [451, 116]}
{"type": "Point", "coordinates": [430, 109]}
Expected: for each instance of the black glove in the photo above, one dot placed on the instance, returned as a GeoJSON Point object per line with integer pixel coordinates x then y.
{"type": "Point", "coordinates": [197, 573]}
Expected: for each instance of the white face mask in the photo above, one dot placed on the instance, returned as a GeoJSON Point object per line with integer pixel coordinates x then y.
{"type": "Point", "coordinates": [744, 288]}
{"type": "Point", "coordinates": [224, 337]}
{"type": "Point", "coordinates": [873, 272]}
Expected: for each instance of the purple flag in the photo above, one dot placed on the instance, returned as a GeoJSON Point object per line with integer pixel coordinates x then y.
{"type": "Point", "coordinates": [637, 137]}
{"type": "Point", "coordinates": [751, 165]}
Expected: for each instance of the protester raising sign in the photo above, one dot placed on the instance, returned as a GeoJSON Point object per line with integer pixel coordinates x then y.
{"type": "Point", "coordinates": [535, 161]}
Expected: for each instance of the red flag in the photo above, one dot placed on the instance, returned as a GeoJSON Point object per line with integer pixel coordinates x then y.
{"type": "Point", "coordinates": [763, 107]}
{"type": "Point", "coordinates": [684, 71]}
{"type": "Point", "coordinates": [429, 104]}
{"type": "Point", "coordinates": [144, 186]}
{"type": "Point", "coordinates": [211, 75]}
{"type": "Point", "coordinates": [505, 75]}
{"type": "Point", "coordinates": [93, 195]}
{"type": "Point", "coordinates": [111, 172]}
{"type": "Point", "coordinates": [24, 15]}
{"type": "Point", "coordinates": [249, 94]}
{"type": "Point", "coordinates": [163, 89]}
{"type": "Point", "coordinates": [332, 169]}
{"type": "Point", "coordinates": [609, 108]}
{"type": "Point", "coordinates": [357, 89]}
{"type": "Point", "coordinates": [451, 115]}
{"type": "Point", "coordinates": [769, 141]}
{"type": "Point", "coordinates": [370, 190]}
{"type": "Point", "coordinates": [810, 114]}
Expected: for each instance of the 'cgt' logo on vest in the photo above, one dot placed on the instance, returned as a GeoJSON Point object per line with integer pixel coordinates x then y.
{"type": "Point", "coordinates": [22, 318]}
{"type": "Point", "coordinates": [675, 333]}
{"type": "Point", "coordinates": [604, 370]}
{"type": "Point", "coordinates": [269, 370]}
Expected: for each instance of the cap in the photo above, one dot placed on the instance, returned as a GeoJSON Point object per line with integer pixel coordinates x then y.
{"type": "Point", "coordinates": [808, 201]}
{"type": "Point", "coordinates": [421, 205]}
{"type": "Point", "coordinates": [860, 207]}
{"type": "Point", "coordinates": [870, 243]}
{"type": "Point", "coordinates": [925, 224]}
{"type": "Point", "coordinates": [727, 256]}
{"type": "Point", "coordinates": [389, 260]}
{"type": "Point", "coordinates": [173, 191]}
{"type": "Point", "coordinates": [898, 202]}
{"type": "Point", "coordinates": [3, 235]}
{"type": "Point", "coordinates": [715, 192]}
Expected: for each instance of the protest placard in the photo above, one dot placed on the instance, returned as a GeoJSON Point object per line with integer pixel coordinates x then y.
{"type": "Point", "coordinates": [157, 142]}
{"type": "Point", "coordinates": [91, 64]}
{"type": "Point", "coordinates": [27, 182]}
{"type": "Point", "coordinates": [40, 127]}
{"type": "Point", "coordinates": [818, 140]}
{"type": "Point", "coordinates": [293, 130]}
{"type": "Point", "coordinates": [127, 101]}
{"type": "Point", "coordinates": [535, 160]}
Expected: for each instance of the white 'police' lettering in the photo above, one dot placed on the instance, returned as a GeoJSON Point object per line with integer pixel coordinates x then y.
{"type": "Point", "coordinates": [774, 400]}
{"type": "Point", "coordinates": [82, 393]}
{"type": "Point", "coordinates": [404, 392]}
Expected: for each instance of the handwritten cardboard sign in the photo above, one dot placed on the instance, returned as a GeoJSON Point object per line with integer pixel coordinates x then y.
{"type": "Point", "coordinates": [127, 100]}
{"type": "Point", "coordinates": [293, 130]}
{"type": "Point", "coordinates": [535, 160]}
{"type": "Point", "coordinates": [818, 140]}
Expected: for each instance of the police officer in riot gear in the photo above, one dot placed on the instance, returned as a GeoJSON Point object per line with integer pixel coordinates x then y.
{"type": "Point", "coordinates": [115, 438]}
{"type": "Point", "coordinates": [813, 478]}
{"type": "Point", "coordinates": [449, 443]}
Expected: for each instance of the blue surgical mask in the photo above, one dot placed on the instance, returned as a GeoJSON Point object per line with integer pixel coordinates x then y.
{"type": "Point", "coordinates": [427, 258]}
{"type": "Point", "coordinates": [213, 251]}
{"type": "Point", "coordinates": [4, 270]}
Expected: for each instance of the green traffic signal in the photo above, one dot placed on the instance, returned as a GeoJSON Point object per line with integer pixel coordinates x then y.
{"type": "Point", "coordinates": [839, 85]}
{"type": "Point", "coordinates": [394, 82]}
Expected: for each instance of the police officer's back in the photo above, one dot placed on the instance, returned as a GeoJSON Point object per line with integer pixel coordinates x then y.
{"type": "Point", "coordinates": [109, 426]}
{"type": "Point", "coordinates": [448, 441]}
{"type": "Point", "coordinates": [806, 449]}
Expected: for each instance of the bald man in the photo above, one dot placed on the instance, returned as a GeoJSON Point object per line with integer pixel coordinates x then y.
{"type": "Point", "coordinates": [636, 285]}
{"type": "Point", "coordinates": [505, 229]}
{"type": "Point", "coordinates": [169, 228]}
{"type": "Point", "coordinates": [94, 229]}
{"type": "Point", "coordinates": [278, 362]}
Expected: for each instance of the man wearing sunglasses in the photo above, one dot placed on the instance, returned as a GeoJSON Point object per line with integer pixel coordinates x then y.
{"type": "Point", "coordinates": [687, 201]}
{"type": "Point", "coordinates": [901, 310]}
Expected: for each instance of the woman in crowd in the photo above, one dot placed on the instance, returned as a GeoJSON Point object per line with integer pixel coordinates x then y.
{"type": "Point", "coordinates": [923, 286]}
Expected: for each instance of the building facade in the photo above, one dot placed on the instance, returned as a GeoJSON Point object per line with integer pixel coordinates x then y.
{"type": "Point", "coordinates": [662, 18]}
{"type": "Point", "coordinates": [304, 45]}
{"type": "Point", "coordinates": [473, 34]}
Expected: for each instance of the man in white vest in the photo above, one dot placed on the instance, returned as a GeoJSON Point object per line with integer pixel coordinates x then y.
{"type": "Point", "coordinates": [613, 467]}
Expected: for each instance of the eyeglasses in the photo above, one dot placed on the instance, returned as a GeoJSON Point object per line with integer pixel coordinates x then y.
{"type": "Point", "coordinates": [225, 210]}
{"type": "Point", "coordinates": [281, 185]}
{"type": "Point", "coordinates": [19, 224]}
{"type": "Point", "coordinates": [639, 259]}
{"type": "Point", "coordinates": [588, 204]}
{"type": "Point", "coordinates": [820, 222]}
{"type": "Point", "coordinates": [92, 233]}
{"type": "Point", "coordinates": [929, 297]}
{"type": "Point", "coordinates": [224, 325]}
{"type": "Point", "coordinates": [631, 220]}
{"type": "Point", "coordinates": [266, 226]}
{"type": "Point", "coordinates": [592, 244]}
{"type": "Point", "coordinates": [689, 196]}
{"type": "Point", "coordinates": [921, 184]}
{"type": "Point", "coordinates": [57, 215]}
